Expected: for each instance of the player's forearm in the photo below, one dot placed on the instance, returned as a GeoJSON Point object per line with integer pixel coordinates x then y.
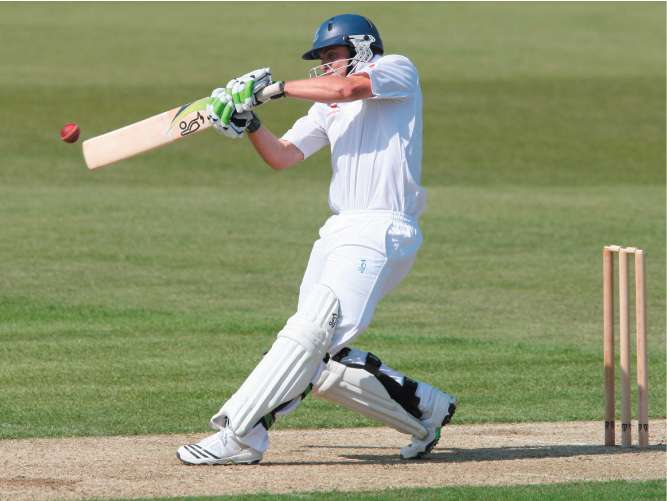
{"type": "Point", "coordinates": [276, 153]}
{"type": "Point", "coordinates": [329, 89]}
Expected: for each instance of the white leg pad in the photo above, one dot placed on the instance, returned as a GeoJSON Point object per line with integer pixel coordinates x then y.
{"type": "Point", "coordinates": [287, 368]}
{"type": "Point", "coordinates": [359, 390]}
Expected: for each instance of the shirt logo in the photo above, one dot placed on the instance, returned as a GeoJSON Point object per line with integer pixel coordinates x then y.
{"type": "Point", "coordinates": [362, 266]}
{"type": "Point", "coordinates": [334, 320]}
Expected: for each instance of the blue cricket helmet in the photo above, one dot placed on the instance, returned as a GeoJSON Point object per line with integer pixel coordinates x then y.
{"type": "Point", "coordinates": [335, 30]}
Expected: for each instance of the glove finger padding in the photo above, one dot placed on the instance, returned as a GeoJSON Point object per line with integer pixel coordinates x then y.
{"type": "Point", "coordinates": [247, 95]}
{"type": "Point", "coordinates": [211, 110]}
{"type": "Point", "coordinates": [220, 109]}
{"type": "Point", "coordinates": [244, 89]}
{"type": "Point", "coordinates": [219, 93]}
{"type": "Point", "coordinates": [237, 96]}
{"type": "Point", "coordinates": [220, 112]}
{"type": "Point", "coordinates": [262, 80]}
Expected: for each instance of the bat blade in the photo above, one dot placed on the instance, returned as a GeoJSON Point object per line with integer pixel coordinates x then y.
{"type": "Point", "coordinates": [146, 135]}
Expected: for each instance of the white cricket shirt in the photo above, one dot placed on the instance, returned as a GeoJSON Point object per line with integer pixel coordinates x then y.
{"type": "Point", "coordinates": [375, 143]}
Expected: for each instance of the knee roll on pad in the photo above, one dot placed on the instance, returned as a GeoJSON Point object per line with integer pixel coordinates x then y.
{"type": "Point", "coordinates": [287, 369]}
{"type": "Point", "coordinates": [354, 385]}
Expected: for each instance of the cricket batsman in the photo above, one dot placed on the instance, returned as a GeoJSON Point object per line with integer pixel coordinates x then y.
{"type": "Point", "coordinates": [367, 109]}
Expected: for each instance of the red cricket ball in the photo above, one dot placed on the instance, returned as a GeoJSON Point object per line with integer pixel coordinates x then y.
{"type": "Point", "coordinates": [69, 133]}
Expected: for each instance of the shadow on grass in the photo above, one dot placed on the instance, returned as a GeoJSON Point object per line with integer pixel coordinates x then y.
{"type": "Point", "coordinates": [454, 455]}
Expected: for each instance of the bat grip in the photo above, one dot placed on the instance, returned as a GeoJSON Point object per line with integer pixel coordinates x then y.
{"type": "Point", "coordinates": [274, 91]}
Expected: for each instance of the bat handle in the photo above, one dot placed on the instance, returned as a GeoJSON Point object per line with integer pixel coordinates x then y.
{"type": "Point", "coordinates": [274, 91]}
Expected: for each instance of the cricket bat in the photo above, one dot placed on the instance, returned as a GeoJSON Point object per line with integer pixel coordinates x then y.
{"type": "Point", "coordinates": [153, 132]}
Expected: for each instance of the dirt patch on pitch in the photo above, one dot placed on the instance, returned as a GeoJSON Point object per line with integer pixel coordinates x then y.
{"type": "Point", "coordinates": [324, 460]}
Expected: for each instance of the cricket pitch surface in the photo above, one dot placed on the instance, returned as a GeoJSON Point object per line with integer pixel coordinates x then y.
{"type": "Point", "coordinates": [325, 460]}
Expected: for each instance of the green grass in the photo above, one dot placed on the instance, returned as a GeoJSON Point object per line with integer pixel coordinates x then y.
{"type": "Point", "coordinates": [135, 299]}
{"type": "Point", "coordinates": [654, 489]}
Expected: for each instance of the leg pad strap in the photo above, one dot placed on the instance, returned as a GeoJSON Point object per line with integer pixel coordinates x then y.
{"type": "Point", "coordinates": [360, 390]}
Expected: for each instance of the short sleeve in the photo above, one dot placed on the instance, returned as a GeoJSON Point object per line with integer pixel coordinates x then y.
{"type": "Point", "coordinates": [307, 133]}
{"type": "Point", "coordinates": [392, 77]}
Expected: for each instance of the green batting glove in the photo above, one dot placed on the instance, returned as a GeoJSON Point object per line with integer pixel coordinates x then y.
{"type": "Point", "coordinates": [220, 107]}
{"type": "Point", "coordinates": [244, 89]}
{"type": "Point", "coordinates": [220, 110]}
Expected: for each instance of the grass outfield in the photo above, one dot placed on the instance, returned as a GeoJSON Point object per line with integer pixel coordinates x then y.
{"type": "Point", "coordinates": [135, 299]}
{"type": "Point", "coordinates": [552, 492]}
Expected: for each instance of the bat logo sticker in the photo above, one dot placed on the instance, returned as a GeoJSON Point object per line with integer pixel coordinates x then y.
{"type": "Point", "coordinates": [186, 124]}
{"type": "Point", "coordinates": [191, 126]}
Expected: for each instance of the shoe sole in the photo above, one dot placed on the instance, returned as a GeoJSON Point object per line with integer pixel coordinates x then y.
{"type": "Point", "coordinates": [434, 442]}
{"type": "Point", "coordinates": [214, 463]}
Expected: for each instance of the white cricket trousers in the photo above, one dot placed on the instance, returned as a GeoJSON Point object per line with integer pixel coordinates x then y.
{"type": "Point", "coordinates": [361, 256]}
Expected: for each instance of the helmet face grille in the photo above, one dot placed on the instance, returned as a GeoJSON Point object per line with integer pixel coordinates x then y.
{"type": "Point", "coordinates": [336, 29]}
{"type": "Point", "coordinates": [361, 55]}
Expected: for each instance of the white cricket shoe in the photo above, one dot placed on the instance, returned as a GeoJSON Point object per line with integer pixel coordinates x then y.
{"type": "Point", "coordinates": [220, 448]}
{"type": "Point", "coordinates": [442, 408]}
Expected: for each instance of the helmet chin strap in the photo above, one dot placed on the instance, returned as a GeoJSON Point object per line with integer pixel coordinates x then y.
{"type": "Point", "coordinates": [362, 54]}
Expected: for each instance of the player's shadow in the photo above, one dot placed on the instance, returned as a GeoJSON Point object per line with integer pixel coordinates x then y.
{"type": "Point", "coordinates": [454, 455]}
